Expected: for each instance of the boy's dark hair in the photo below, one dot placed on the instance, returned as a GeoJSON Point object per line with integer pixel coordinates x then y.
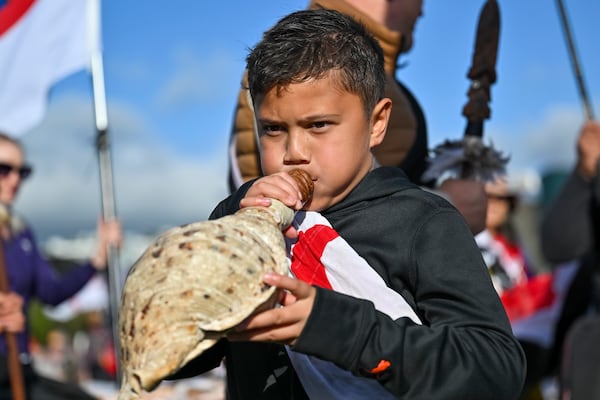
{"type": "Point", "coordinates": [311, 44]}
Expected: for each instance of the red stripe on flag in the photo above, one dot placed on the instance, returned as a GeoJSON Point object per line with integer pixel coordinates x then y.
{"type": "Point", "coordinates": [12, 12]}
{"type": "Point", "coordinates": [307, 253]}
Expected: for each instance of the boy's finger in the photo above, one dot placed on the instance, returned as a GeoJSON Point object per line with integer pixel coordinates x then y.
{"type": "Point", "coordinates": [298, 288]}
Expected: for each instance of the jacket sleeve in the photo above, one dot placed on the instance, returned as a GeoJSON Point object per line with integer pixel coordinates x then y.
{"type": "Point", "coordinates": [232, 203]}
{"type": "Point", "coordinates": [52, 288]}
{"type": "Point", "coordinates": [463, 350]}
{"type": "Point", "coordinates": [567, 225]}
{"type": "Point", "coordinates": [244, 160]}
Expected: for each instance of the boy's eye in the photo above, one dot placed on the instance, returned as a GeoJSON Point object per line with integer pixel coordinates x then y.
{"type": "Point", "coordinates": [320, 124]}
{"type": "Point", "coordinates": [272, 129]}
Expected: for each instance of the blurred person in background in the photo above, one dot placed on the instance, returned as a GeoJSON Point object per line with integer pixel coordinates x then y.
{"type": "Point", "coordinates": [570, 234]}
{"type": "Point", "coordinates": [392, 23]}
{"type": "Point", "coordinates": [95, 350]}
{"type": "Point", "coordinates": [500, 244]}
{"type": "Point", "coordinates": [513, 275]}
{"type": "Point", "coordinates": [569, 225]}
{"type": "Point", "coordinates": [31, 276]}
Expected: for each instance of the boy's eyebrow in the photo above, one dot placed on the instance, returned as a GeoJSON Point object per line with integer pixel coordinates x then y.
{"type": "Point", "coordinates": [318, 117]}
{"type": "Point", "coordinates": [267, 121]}
{"type": "Point", "coordinates": [309, 118]}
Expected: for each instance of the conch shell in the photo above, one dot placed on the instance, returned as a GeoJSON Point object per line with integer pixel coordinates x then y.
{"type": "Point", "coordinates": [196, 282]}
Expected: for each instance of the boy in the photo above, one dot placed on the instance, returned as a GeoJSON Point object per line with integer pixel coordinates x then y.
{"type": "Point", "coordinates": [391, 297]}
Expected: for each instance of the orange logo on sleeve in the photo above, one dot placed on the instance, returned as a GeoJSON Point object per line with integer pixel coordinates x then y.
{"type": "Point", "coordinates": [382, 366]}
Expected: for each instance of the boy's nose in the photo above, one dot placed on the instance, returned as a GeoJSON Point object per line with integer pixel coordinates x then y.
{"type": "Point", "coordinates": [297, 149]}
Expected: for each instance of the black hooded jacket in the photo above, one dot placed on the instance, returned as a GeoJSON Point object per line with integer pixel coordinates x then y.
{"type": "Point", "coordinates": [421, 246]}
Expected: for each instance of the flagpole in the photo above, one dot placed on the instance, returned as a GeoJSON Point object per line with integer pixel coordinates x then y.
{"type": "Point", "coordinates": [105, 167]}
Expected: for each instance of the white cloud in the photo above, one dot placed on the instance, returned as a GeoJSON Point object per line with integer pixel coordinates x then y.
{"type": "Point", "coordinates": [197, 79]}
{"type": "Point", "coordinates": [154, 188]}
{"type": "Point", "coordinates": [542, 144]}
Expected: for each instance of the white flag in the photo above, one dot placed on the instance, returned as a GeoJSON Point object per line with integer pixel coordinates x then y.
{"type": "Point", "coordinates": [41, 42]}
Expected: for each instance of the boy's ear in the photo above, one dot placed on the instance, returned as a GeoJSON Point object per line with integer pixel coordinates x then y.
{"type": "Point", "coordinates": [379, 121]}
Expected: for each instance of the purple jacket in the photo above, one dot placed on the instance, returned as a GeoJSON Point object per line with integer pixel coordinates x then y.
{"type": "Point", "coordinates": [31, 276]}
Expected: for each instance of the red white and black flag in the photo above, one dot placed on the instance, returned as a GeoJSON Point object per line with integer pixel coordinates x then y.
{"type": "Point", "coordinates": [41, 42]}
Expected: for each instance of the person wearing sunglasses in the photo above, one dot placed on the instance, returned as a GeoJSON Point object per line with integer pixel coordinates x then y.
{"type": "Point", "coordinates": [23, 171]}
{"type": "Point", "coordinates": [31, 276]}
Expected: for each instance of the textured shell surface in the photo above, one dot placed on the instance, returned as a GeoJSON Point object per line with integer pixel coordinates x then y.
{"type": "Point", "coordinates": [192, 285]}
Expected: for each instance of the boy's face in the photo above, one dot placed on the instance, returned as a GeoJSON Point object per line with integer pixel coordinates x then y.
{"type": "Point", "coordinates": [322, 129]}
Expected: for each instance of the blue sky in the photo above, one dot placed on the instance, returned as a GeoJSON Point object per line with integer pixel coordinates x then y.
{"type": "Point", "coordinates": [172, 72]}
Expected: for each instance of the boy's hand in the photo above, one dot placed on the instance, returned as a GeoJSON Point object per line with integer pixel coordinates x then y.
{"type": "Point", "coordinates": [280, 186]}
{"type": "Point", "coordinates": [280, 325]}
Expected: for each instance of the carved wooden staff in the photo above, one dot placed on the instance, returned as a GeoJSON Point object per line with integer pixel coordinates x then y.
{"type": "Point", "coordinates": [470, 157]}
{"type": "Point", "coordinates": [15, 370]}
{"type": "Point", "coordinates": [483, 69]}
{"type": "Point", "coordinates": [482, 74]}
